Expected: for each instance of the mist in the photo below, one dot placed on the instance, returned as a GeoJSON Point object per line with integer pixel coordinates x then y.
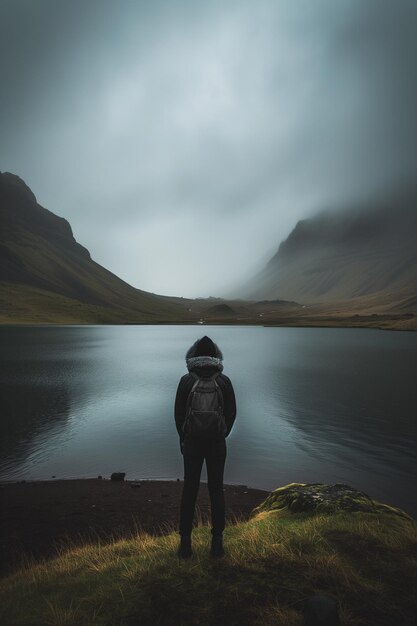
{"type": "Point", "coordinates": [183, 141]}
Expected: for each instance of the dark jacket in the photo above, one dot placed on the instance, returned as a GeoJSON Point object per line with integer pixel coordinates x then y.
{"type": "Point", "coordinates": [204, 366]}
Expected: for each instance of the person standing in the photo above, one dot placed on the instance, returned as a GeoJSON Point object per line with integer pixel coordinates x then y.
{"type": "Point", "coordinates": [204, 364]}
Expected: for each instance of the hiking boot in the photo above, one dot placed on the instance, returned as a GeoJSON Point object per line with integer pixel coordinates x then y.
{"type": "Point", "coordinates": [217, 546]}
{"type": "Point", "coordinates": [184, 551]}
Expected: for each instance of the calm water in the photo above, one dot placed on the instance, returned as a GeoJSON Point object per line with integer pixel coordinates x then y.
{"type": "Point", "coordinates": [314, 405]}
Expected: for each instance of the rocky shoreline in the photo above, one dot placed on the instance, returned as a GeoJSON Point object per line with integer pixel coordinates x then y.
{"type": "Point", "coordinates": [40, 516]}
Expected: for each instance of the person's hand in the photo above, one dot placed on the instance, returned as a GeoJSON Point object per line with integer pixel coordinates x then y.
{"type": "Point", "coordinates": [182, 446]}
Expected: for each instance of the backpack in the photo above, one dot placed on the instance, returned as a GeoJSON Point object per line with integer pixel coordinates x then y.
{"type": "Point", "coordinates": [204, 416]}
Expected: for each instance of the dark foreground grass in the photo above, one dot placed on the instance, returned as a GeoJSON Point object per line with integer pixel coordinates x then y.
{"type": "Point", "coordinates": [367, 561]}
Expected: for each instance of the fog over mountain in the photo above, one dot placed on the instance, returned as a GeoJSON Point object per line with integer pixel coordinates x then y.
{"type": "Point", "coordinates": [184, 140]}
{"type": "Point", "coordinates": [357, 254]}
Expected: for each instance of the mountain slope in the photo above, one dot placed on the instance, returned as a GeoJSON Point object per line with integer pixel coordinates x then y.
{"type": "Point", "coordinates": [45, 273]}
{"type": "Point", "coordinates": [341, 256]}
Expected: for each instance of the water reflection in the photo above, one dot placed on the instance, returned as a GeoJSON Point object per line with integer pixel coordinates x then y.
{"type": "Point", "coordinates": [353, 401]}
{"type": "Point", "coordinates": [28, 416]}
{"type": "Point", "coordinates": [35, 399]}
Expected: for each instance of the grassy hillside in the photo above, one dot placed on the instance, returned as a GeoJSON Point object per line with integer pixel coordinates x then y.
{"type": "Point", "coordinates": [45, 275]}
{"type": "Point", "coordinates": [33, 305]}
{"type": "Point", "coordinates": [304, 539]}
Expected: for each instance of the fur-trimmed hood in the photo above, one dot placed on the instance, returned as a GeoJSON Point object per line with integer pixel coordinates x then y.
{"type": "Point", "coordinates": [193, 361]}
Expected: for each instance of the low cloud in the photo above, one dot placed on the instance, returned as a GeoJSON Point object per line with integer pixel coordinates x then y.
{"type": "Point", "coordinates": [184, 140]}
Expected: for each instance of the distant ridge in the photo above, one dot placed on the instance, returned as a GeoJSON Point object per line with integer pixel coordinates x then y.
{"type": "Point", "coordinates": [45, 274]}
{"type": "Point", "coordinates": [345, 256]}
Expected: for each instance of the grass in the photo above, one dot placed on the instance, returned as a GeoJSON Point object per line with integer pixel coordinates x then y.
{"type": "Point", "coordinates": [274, 561]}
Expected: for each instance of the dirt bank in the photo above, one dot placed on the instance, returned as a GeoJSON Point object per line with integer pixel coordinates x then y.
{"type": "Point", "coordinates": [41, 515]}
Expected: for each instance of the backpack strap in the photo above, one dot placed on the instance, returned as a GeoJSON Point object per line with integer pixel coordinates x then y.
{"type": "Point", "coordinates": [218, 388]}
{"type": "Point", "coordinates": [196, 381]}
{"type": "Point", "coordinates": [188, 403]}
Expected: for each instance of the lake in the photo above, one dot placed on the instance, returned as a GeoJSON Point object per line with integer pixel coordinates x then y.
{"type": "Point", "coordinates": [313, 404]}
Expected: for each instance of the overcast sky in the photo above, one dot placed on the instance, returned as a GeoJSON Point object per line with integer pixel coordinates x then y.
{"type": "Point", "coordinates": [184, 140]}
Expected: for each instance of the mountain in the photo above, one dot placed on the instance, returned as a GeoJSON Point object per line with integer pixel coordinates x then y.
{"type": "Point", "coordinates": [45, 275]}
{"type": "Point", "coordinates": [366, 254]}
{"type": "Point", "coordinates": [351, 268]}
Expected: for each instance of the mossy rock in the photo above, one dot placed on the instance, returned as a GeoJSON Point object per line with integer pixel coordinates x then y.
{"type": "Point", "coordinates": [321, 498]}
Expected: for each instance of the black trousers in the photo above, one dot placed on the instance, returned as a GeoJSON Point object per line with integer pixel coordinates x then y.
{"type": "Point", "coordinates": [194, 453]}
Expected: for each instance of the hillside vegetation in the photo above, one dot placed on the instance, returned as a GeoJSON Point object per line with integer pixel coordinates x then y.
{"type": "Point", "coordinates": [45, 275]}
